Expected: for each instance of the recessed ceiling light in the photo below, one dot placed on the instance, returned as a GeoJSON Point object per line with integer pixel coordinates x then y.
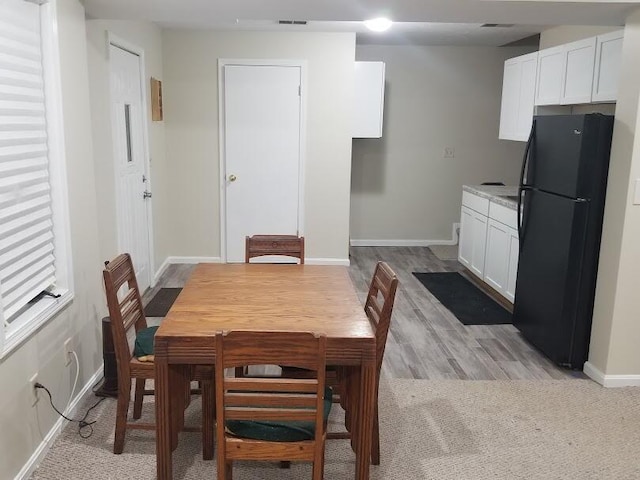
{"type": "Point", "coordinates": [378, 24]}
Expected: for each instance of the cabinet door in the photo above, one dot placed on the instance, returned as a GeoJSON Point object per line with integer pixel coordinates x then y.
{"type": "Point", "coordinates": [465, 243]}
{"type": "Point", "coordinates": [479, 241]}
{"type": "Point", "coordinates": [510, 99]}
{"type": "Point", "coordinates": [512, 269]}
{"type": "Point", "coordinates": [551, 65]}
{"type": "Point", "coordinates": [497, 256]}
{"type": "Point", "coordinates": [529, 68]}
{"type": "Point", "coordinates": [607, 67]}
{"type": "Point", "coordinates": [578, 78]}
{"type": "Point", "coordinates": [368, 99]}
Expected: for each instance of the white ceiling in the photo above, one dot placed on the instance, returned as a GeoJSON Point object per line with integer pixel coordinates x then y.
{"type": "Point", "coordinates": [425, 22]}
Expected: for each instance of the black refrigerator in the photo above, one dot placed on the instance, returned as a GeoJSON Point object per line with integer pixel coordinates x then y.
{"type": "Point", "coordinates": [560, 210]}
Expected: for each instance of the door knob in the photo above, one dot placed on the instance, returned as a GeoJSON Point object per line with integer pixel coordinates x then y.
{"type": "Point", "coordinates": [146, 195]}
{"type": "Point", "coordinates": [232, 178]}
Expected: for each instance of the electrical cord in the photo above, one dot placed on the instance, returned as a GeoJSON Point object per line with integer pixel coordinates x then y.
{"type": "Point", "coordinates": [82, 423]}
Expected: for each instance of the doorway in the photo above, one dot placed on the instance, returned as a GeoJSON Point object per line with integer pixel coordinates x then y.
{"type": "Point", "coordinates": [262, 116]}
{"type": "Point", "coordinates": [130, 158]}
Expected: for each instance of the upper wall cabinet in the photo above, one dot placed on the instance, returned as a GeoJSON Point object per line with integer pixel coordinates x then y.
{"type": "Point", "coordinates": [551, 63]}
{"type": "Point", "coordinates": [578, 77]}
{"type": "Point", "coordinates": [565, 73]}
{"type": "Point", "coordinates": [518, 89]}
{"type": "Point", "coordinates": [369, 99]}
{"type": "Point", "coordinates": [607, 67]}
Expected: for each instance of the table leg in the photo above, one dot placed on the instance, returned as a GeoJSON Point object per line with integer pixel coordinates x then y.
{"type": "Point", "coordinates": [364, 426]}
{"type": "Point", "coordinates": [163, 420]}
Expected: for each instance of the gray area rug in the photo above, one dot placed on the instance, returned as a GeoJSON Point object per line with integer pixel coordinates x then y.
{"type": "Point", "coordinates": [445, 252]}
{"type": "Point", "coordinates": [476, 430]}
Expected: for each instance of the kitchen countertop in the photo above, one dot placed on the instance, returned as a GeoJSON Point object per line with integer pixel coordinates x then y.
{"type": "Point", "coordinates": [497, 194]}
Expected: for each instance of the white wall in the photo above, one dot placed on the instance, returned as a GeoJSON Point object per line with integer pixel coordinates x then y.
{"type": "Point", "coordinates": [615, 334]}
{"type": "Point", "coordinates": [148, 37]}
{"type": "Point", "coordinates": [23, 427]}
{"type": "Point", "coordinates": [570, 33]}
{"type": "Point", "coordinates": [190, 93]}
{"type": "Point", "coordinates": [402, 188]}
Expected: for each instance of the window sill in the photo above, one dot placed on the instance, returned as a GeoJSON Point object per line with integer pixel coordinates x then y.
{"type": "Point", "coordinates": [23, 327]}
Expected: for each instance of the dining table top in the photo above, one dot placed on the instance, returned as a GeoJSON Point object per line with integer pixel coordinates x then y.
{"type": "Point", "coordinates": [267, 297]}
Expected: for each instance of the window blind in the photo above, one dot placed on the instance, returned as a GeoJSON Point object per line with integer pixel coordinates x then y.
{"type": "Point", "coordinates": [26, 225]}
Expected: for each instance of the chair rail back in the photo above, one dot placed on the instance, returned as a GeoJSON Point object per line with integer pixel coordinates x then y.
{"type": "Point", "coordinates": [285, 245]}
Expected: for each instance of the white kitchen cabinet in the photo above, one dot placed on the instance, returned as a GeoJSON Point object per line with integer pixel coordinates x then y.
{"type": "Point", "coordinates": [578, 76]}
{"type": "Point", "coordinates": [512, 269]}
{"type": "Point", "coordinates": [496, 260]}
{"type": "Point", "coordinates": [473, 237]}
{"type": "Point", "coordinates": [368, 99]}
{"type": "Point", "coordinates": [518, 92]}
{"type": "Point", "coordinates": [551, 64]}
{"type": "Point", "coordinates": [473, 232]}
{"type": "Point", "coordinates": [501, 259]}
{"type": "Point", "coordinates": [606, 72]}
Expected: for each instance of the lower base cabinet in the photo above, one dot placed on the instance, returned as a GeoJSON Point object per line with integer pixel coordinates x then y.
{"type": "Point", "coordinates": [501, 258]}
{"type": "Point", "coordinates": [473, 234]}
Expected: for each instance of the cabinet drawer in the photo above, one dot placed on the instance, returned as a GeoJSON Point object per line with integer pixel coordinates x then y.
{"type": "Point", "coordinates": [475, 202]}
{"type": "Point", "coordinates": [504, 215]}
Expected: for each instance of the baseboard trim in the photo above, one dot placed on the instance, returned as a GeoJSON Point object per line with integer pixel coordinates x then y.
{"type": "Point", "coordinates": [191, 260]}
{"type": "Point", "coordinates": [400, 243]}
{"type": "Point", "coordinates": [327, 261]}
{"type": "Point", "coordinates": [52, 435]}
{"type": "Point", "coordinates": [610, 381]}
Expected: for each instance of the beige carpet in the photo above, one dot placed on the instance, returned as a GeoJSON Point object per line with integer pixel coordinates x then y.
{"type": "Point", "coordinates": [571, 429]}
{"type": "Point", "coordinates": [445, 252]}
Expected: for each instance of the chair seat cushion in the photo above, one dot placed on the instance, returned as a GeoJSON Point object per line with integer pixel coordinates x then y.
{"type": "Point", "coordinates": [144, 342]}
{"type": "Point", "coordinates": [293, 431]}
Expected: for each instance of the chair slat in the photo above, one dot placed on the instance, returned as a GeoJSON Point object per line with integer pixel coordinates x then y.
{"type": "Point", "coordinates": [269, 400]}
{"type": "Point", "coordinates": [270, 414]}
{"type": "Point", "coordinates": [271, 384]}
{"type": "Point", "coordinates": [247, 449]}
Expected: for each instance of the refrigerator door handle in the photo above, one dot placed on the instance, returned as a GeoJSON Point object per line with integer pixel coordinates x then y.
{"type": "Point", "coordinates": [521, 186]}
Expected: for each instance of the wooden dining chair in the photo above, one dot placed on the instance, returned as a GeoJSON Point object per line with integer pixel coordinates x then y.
{"type": "Point", "coordinates": [379, 308]}
{"type": "Point", "coordinates": [267, 418]}
{"type": "Point", "coordinates": [285, 245]}
{"type": "Point", "coordinates": [266, 245]}
{"type": "Point", "coordinates": [129, 329]}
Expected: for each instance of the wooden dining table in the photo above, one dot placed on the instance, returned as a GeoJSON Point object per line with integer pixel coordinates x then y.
{"type": "Point", "coordinates": [264, 297]}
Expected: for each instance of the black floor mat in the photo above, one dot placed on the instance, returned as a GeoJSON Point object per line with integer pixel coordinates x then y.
{"type": "Point", "coordinates": [160, 304]}
{"type": "Point", "coordinates": [467, 302]}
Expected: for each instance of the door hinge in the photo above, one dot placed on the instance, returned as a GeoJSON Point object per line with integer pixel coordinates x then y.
{"type": "Point", "coordinates": [299, 90]}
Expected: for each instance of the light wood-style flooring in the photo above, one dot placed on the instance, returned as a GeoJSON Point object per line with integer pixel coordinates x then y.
{"type": "Point", "coordinates": [426, 341]}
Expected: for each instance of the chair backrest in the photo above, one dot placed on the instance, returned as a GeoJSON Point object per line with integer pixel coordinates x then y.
{"type": "Point", "coordinates": [379, 305]}
{"type": "Point", "coordinates": [286, 245]}
{"type": "Point", "coordinates": [126, 313]}
{"type": "Point", "coordinates": [270, 398]}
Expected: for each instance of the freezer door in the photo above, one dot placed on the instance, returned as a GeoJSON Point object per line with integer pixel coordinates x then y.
{"type": "Point", "coordinates": [570, 154]}
{"type": "Point", "coordinates": [548, 283]}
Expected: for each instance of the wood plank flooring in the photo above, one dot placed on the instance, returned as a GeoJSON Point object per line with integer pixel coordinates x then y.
{"type": "Point", "coordinates": [426, 341]}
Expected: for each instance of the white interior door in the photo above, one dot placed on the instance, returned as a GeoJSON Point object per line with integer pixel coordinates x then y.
{"type": "Point", "coordinates": [127, 114]}
{"type": "Point", "coordinates": [262, 132]}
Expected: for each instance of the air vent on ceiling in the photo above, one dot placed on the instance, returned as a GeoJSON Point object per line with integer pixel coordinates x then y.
{"type": "Point", "coordinates": [497, 25]}
{"type": "Point", "coordinates": [292, 22]}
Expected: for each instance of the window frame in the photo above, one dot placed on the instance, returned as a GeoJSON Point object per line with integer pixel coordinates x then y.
{"type": "Point", "coordinates": [32, 319]}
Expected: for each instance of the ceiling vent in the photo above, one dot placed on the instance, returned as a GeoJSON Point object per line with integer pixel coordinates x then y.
{"type": "Point", "coordinates": [292, 22]}
{"type": "Point", "coordinates": [497, 25]}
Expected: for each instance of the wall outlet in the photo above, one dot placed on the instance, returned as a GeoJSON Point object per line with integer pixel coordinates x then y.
{"type": "Point", "coordinates": [34, 391]}
{"type": "Point", "coordinates": [449, 152]}
{"type": "Point", "coordinates": [67, 352]}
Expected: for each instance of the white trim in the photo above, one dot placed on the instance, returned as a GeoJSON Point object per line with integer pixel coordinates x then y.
{"type": "Point", "coordinates": [119, 42]}
{"type": "Point", "coordinates": [400, 243]}
{"type": "Point", "coordinates": [222, 62]}
{"type": "Point", "coordinates": [344, 262]}
{"type": "Point", "coordinates": [39, 314]}
{"type": "Point", "coordinates": [192, 260]}
{"type": "Point", "coordinates": [161, 270]}
{"type": "Point", "coordinates": [52, 435]}
{"type": "Point", "coordinates": [610, 381]}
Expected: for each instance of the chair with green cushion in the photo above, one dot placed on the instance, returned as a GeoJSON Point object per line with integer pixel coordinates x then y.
{"type": "Point", "coordinates": [127, 316]}
{"type": "Point", "coordinates": [271, 418]}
